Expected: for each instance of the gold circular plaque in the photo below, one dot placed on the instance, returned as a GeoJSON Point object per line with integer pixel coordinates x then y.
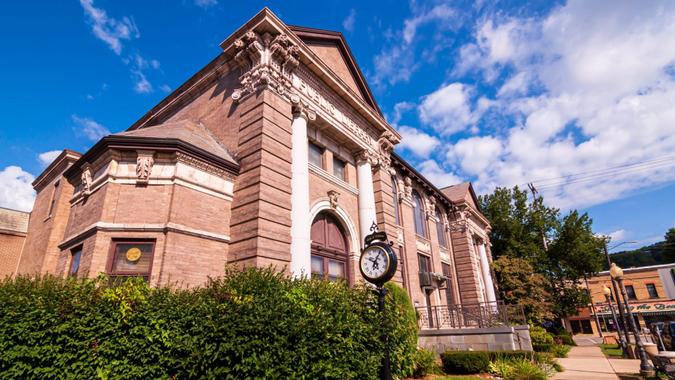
{"type": "Point", "coordinates": [133, 254]}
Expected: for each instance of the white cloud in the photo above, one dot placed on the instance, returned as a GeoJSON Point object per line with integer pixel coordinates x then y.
{"type": "Point", "coordinates": [89, 128]}
{"type": "Point", "coordinates": [617, 235]}
{"type": "Point", "coordinates": [349, 21]}
{"type": "Point", "coordinates": [475, 154]}
{"type": "Point", "coordinates": [585, 95]}
{"type": "Point", "coordinates": [205, 3]}
{"type": "Point", "coordinates": [417, 142]}
{"type": "Point", "coordinates": [396, 62]}
{"type": "Point", "coordinates": [141, 85]}
{"type": "Point", "coordinates": [439, 177]}
{"type": "Point", "coordinates": [447, 109]}
{"type": "Point", "coordinates": [46, 158]}
{"type": "Point", "coordinates": [107, 29]}
{"type": "Point", "coordinates": [16, 191]}
{"type": "Point", "coordinates": [165, 88]}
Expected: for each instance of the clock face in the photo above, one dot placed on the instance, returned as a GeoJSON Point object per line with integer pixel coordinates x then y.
{"type": "Point", "coordinates": [374, 262]}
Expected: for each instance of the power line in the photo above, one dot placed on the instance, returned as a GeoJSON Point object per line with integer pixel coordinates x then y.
{"type": "Point", "coordinates": [606, 175]}
{"type": "Point", "coordinates": [628, 167]}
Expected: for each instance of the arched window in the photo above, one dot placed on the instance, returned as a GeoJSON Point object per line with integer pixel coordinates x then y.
{"type": "Point", "coordinates": [397, 212]}
{"type": "Point", "coordinates": [440, 230]}
{"type": "Point", "coordinates": [330, 248]}
{"type": "Point", "coordinates": [418, 210]}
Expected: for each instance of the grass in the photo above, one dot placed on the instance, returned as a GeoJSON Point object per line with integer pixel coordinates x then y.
{"type": "Point", "coordinates": [611, 350]}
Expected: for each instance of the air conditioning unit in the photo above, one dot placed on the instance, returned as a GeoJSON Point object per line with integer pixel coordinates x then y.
{"type": "Point", "coordinates": [426, 280]}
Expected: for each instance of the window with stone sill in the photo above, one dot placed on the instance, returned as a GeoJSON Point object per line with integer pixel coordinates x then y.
{"type": "Point", "coordinates": [316, 155]}
{"type": "Point", "coordinates": [630, 292]}
{"type": "Point", "coordinates": [651, 288]}
{"type": "Point", "coordinates": [75, 256]}
{"type": "Point", "coordinates": [440, 229]}
{"type": "Point", "coordinates": [339, 168]}
{"type": "Point", "coordinates": [397, 211]}
{"type": "Point", "coordinates": [53, 201]}
{"type": "Point", "coordinates": [418, 211]}
{"type": "Point", "coordinates": [131, 258]}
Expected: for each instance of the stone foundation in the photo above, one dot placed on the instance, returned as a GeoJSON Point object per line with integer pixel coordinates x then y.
{"type": "Point", "coordinates": [504, 338]}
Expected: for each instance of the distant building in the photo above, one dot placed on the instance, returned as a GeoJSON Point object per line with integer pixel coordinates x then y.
{"type": "Point", "coordinates": [13, 229]}
{"type": "Point", "coordinates": [651, 294]}
{"type": "Point", "coordinates": [275, 153]}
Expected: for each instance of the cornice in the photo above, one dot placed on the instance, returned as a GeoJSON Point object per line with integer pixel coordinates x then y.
{"type": "Point", "coordinates": [267, 22]}
{"type": "Point", "coordinates": [57, 166]}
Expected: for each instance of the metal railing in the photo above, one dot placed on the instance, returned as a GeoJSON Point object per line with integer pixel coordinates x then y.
{"type": "Point", "coordinates": [470, 316]}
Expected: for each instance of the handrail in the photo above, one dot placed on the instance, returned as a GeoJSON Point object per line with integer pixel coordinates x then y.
{"type": "Point", "coordinates": [487, 314]}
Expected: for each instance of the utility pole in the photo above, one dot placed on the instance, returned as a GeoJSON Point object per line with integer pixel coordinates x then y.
{"type": "Point", "coordinates": [534, 197]}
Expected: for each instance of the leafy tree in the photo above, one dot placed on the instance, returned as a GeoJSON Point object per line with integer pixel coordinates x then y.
{"type": "Point", "coordinates": [519, 285]}
{"type": "Point", "coordinates": [519, 228]}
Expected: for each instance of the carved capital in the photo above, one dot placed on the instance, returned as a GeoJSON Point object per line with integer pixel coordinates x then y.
{"type": "Point", "coordinates": [145, 160]}
{"type": "Point", "coordinates": [407, 188]}
{"type": "Point", "coordinates": [333, 198]}
{"type": "Point", "coordinates": [366, 156]}
{"type": "Point", "coordinates": [266, 61]}
{"type": "Point", "coordinates": [87, 180]}
{"type": "Point", "coordinates": [302, 109]}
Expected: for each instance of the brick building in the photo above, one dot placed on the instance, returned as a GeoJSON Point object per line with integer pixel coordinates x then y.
{"type": "Point", "coordinates": [275, 153]}
{"type": "Point", "coordinates": [651, 297]}
{"type": "Point", "coordinates": [13, 228]}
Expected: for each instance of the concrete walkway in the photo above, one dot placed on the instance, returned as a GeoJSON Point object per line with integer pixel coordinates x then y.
{"type": "Point", "coordinates": [588, 362]}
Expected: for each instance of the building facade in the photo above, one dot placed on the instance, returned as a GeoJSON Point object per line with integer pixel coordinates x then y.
{"type": "Point", "coordinates": [651, 298]}
{"type": "Point", "coordinates": [13, 229]}
{"type": "Point", "coordinates": [275, 153]}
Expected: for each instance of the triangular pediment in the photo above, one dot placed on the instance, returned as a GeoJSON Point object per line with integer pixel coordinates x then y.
{"type": "Point", "coordinates": [333, 50]}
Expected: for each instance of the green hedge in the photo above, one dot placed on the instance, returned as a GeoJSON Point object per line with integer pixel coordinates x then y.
{"type": "Point", "coordinates": [465, 362]}
{"type": "Point", "coordinates": [250, 324]}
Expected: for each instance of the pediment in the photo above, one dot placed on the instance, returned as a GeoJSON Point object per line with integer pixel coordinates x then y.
{"type": "Point", "coordinates": [333, 50]}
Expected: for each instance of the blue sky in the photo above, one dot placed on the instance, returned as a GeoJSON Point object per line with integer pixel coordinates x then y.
{"type": "Point", "coordinates": [576, 97]}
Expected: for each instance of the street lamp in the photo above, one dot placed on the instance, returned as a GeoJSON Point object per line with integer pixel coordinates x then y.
{"type": "Point", "coordinates": [646, 369]}
{"type": "Point", "coordinates": [622, 340]}
{"type": "Point", "coordinates": [624, 325]}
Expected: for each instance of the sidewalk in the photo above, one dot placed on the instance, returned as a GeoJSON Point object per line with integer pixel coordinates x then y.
{"type": "Point", "coordinates": [588, 362]}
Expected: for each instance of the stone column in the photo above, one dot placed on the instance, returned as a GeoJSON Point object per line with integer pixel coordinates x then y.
{"type": "Point", "coordinates": [301, 263]}
{"type": "Point", "coordinates": [364, 176]}
{"type": "Point", "coordinates": [487, 276]}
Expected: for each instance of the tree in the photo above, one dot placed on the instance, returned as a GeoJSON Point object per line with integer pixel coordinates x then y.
{"type": "Point", "coordinates": [518, 231]}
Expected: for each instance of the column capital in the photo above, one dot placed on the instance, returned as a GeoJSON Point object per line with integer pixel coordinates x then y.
{"type": "Point", "coordinates": [301, 109]}
{"type": "Point", "coordinates": [365, 156]}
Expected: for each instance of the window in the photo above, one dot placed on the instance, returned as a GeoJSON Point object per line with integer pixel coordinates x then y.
{"type": "Point", "coordinates": [132, 259]}
{"type": "Point", "coordinates": [397, 212]}
{"type": "Point", "coordinates": [631, 292]}
{"type": "Point", "coordinates": [338, 168]}
{"type": "Point", "coordinates": [315, 155]}
{"type": "Point", "coordinates": [449, 296]}
{"type": "Point", "coordinates": [651, 288]}
{"type": "Point", "coordinates": [75, 256]}
{"type": "Point", "coordinates": [418, 209]}
{"type": "Point", "coordinates": [425, 263]}
{"type": "Point", "coordinates": [53, 202]}
{"type": "Point", "coordinates": [440, 229]}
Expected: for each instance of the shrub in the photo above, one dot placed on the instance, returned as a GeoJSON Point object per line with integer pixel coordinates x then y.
{"type": "Point", "coordinates": [520, 369]}
{"type": "Point", "coordinates": [560, 350]}
{"type": "Point", "coordinates": [250, 324]}
{"type": "Point", "coordinates": [542, 341]}
{"type": "Point", "coordinates": [425, 363]}
{"type": "Point", "coordinates": [508, 355]}
{"type": "Point", "coordinates": [563, 336]}
{"type": "Point", "coordinates": [465, 362]}
{"type": "Point", "coordinates": [401, 322]}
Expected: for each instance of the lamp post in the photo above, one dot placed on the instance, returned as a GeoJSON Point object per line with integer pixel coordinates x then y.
{"type": "Point", "coordinates": [622, 340]}
{"type": "Point", "coordinates": [646, 369]}
{"type": "Point", "coordinates": [623, 326]}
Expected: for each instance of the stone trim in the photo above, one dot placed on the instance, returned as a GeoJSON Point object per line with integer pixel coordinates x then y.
{"type": "Point", "coordinates": [140, 227]}
{"type": "Point", "coordinates": [332, 179]}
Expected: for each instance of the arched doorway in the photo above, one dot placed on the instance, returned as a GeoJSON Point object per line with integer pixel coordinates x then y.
{"type": "Point", "coordinates": [330, 248]}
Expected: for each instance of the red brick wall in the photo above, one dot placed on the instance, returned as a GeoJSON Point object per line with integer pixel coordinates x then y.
{"type": "Point", "coordinates": [10, 250]}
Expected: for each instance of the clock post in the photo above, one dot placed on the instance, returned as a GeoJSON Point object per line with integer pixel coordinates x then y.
{"type": "Point", "coordinates": [378, 265]}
